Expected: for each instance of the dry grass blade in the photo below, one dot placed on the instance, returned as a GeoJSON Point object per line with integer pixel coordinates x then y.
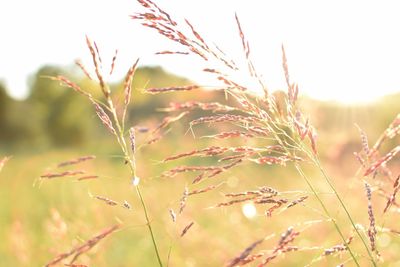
{"type": "Point", "coordinates": [62, 174]}
{"type": "Point", "coordinates": [262, 191]}
{"type": "Point", "coordinates": [312, 135]}
{"type": "Point", "coordinates": [301, 128]}
{"type": "Point", "coordinates": [228, 62]}
{"type": "Point", "coordinates": [172, 53]}
{"type": "Point", "coordinates": [371, 229]}
{"type": "Point", "coordinates": [113, 62]}
{"type": "Point", "coordinates": [297, 201]}
{"type": "Point", "coordinates": [208, 171]}
{"type": "Point", "coordinates": [97, 61]}
{"type": "Point", "coordinates": [106, 200]}
{"type": "Point", "coordinates": [172, 89]}
{"type": "Point", "coordinates": [76, 161]}
{"type": "Point", "coordinates": [282, 246]}
{"type": "Point", "coordinates": [233, 202]}
{"type": "Point", "coordinates": [209, 151]}
{"type": "Point", "coordinates": [70, 84]}
{"type": "Point", "coordinates": [392, 130]}
{"type": "Point", "coordinates": [105, 119]}
{"type": "Point", "coordinates": [198, 178]}
{"type": "Point", "coordinates": [153, 140]}
{"type": "Point", "coordinates": [231, 134]}
{"type": "Point", "coordinates": [272, 160]}
{"type": "Point", "coordinates": [128, 83]}
{"type": "Point", "coordinates": [187, 227]}
{"type": "Point", "coordinates": [83, 68]}
{"type": "Point", "coordinates": [337, 248]}
{"type": "Point", "coordinates": [286, 238]}
{"type": "Point", "coordinates": [182, 203]}
{"type": "Point", "coordinates": [98, 53]}
{"type": "Point", "coordinates": [168, 120]}
{"type": "Point", "coordinates": [392, 198]}
{"type": "Point", "coordinates": [244, 43]}
{"type": "Point", "coordinates": [168, 18]}
{"type": "Point", "coordinates": [132, 140]}
{"type": "Point", "coordinates": [224, 118]}
{"type": "Point", "coordinates": [246, 48]}
{"type": "Point", "coordinates": [231, 85]}
{"type": "Point", "coordinates": [182, 155]}
{"type": "Point", "coordinates": [190, 105]}
{"type": "Point", "coordinates": [277, 204]}
{"type": "Point", "coordinates": [382, 160]}
{"type": "Point", "coordinates": [197, 35]}
{"type": "Point", "coordinates": [181, 169]}
{"type": "Point", "coordinates": [79, 250]}
{"type": "Point", "coordinates": [172, 214]}
{"type": "Point", "coordinates": [285, 69]}
{"type": "Point", "coordinates": [203, 190]}
{"type": "Point", "coordinates": [364, 141]}
{"type": "Point", "coordinates": [293, 89]}
{"type": "Point", "coordinates": [394, 127]}
{"type": "Point", "coordinates": [238, 156]}
{"type": "Point", "coordinates": [360, 159]}
{"type": "Point", "coordinates": [256, 130]}
{"type": "Point", "coordinates": [250, 258]}
{"type": "Point", "coordinates": [87, 177]}
{"type": "Point", "coordinates": [159, 20]}
{"type": "Point", "coordinates": [237, 261]}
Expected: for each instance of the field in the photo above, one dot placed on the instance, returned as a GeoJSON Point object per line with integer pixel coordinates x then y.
{"type": "Point", "coordinates": [41, 218]}
{"type": "Point", "coordinates": [181, 175]}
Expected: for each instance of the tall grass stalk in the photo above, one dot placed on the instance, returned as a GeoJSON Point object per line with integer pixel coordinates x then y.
{"type": "Point", "coordinates": [277, 121]}
{"type": "Point", "coordinates": [317, 163]}
{"type": "Point", "coordinates": [286, 136]}
{"type": "Point", "coordinates": [132, 165]}
{"type": "Point", "coordinates": [300, 146]}
{"type": "Point", "coordinates": [119, 130]}
{"type": "Point", "coordinates": [339, 198]}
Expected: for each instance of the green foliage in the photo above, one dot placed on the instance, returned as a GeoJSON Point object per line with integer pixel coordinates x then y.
{"type": "Point", "coordinates": [58, 117]}
{"type": "Point", "coordinates": [15, 129]}
{"type": "Point", "coordinates": [53, 116]}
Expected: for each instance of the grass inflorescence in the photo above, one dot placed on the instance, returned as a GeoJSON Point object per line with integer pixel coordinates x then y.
{"type": "Point", "coordinates": [251, 127]}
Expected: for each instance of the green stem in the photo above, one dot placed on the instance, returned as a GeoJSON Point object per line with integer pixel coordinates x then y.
{"type": "Point", "coordinates": [298, 168]}
{"type": "Point", "coordinates": [328, 180]}
{"type": "Point", "coordinates": [274, 128]}
{"type": "Point", "coordinates": [149, 225]}
{"type": "Point", "coordinates": [132, 165]}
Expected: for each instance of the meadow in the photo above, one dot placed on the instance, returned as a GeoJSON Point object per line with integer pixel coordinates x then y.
{"type": "Point", "coordinates": [41, 218]}
{"type": "Point", "coordinates": [224, 177]}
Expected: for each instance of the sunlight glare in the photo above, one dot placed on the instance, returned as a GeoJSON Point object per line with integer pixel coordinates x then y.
{"type": "Point", "coordinates": [249, 210]}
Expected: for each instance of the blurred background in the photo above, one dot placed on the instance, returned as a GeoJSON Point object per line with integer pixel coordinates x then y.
{"type": "Point", "coordinates": [344, 56]}
{"type": "Point", "coordinates": [350, 64]}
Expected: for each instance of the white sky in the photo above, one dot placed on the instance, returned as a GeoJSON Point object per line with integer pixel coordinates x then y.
{"type": "Point", "coordinates": [342, 50]}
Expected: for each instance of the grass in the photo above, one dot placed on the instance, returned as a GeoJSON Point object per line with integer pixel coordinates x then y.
{"type": "Point", "coordinates": [226, 229]}
{"type": "Point", "coordinates": [256, 149]}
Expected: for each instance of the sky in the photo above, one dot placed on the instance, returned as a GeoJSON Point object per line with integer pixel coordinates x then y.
{"type": "Point", "coordinates": [346, 51]}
